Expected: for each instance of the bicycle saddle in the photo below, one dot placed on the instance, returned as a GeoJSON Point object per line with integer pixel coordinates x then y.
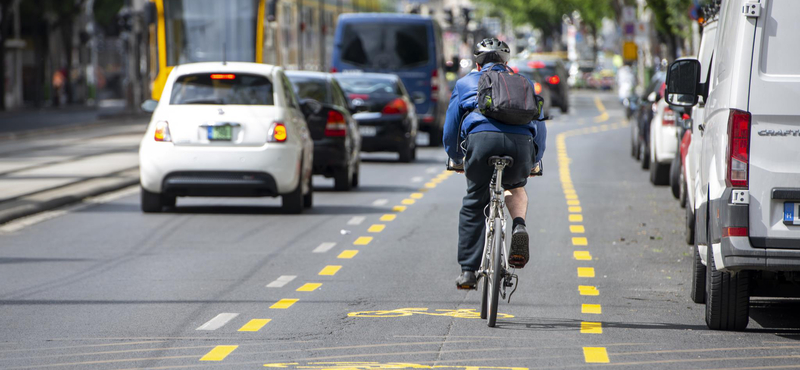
{"type": "Point", "coordinates": [504, 160]}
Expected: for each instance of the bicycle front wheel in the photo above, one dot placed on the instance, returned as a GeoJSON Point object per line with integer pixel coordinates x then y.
{"type": "Point", "coordinates": [495, 276]}
{"type": "Point", "coordinates": [486, 265]}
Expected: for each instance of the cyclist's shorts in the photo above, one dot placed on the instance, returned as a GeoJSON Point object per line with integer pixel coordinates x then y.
{"type": "Point", "coordinates": [485, 144]}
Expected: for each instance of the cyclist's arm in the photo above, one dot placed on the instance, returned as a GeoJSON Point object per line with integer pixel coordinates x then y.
{"type": "Point", "coordinates": [539, 138]}
{"type": "Point", "coordinates": [451, 122]}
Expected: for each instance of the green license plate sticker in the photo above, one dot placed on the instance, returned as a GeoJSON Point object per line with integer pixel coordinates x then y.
{"type": "Point", "coordinates": [220, 133]}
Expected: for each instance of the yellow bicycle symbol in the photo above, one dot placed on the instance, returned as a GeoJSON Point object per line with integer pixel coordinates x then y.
{"type": "Point", "coordinates": [467, 313]}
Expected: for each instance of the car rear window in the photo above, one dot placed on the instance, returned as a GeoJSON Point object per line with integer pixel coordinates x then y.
{"type": "Point", "coordinates": [369, 86]}
{"type": "Point", "coordinates": [311, 88]}
{"type": "Point", "coordinates": [222, 89]}
{"type": "Point", "coordinates": [384, 45]}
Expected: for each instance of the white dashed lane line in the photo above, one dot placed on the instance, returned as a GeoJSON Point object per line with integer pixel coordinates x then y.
{"type": "Point", "coordinates": [357, 220]}
{"type": "Point", "coordinates": [218, 321]}
{"type": "Point", "coordinates": [417, 179]}
{"type": "Point", "coordinates": [281, 281]}
{"type": "Point", "coordinates": [380, 202]}
{"type": "Point", "coordinates": [324, 247]}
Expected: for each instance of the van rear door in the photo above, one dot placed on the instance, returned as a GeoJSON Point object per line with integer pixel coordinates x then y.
{"type": "Point", "coordinates": [775, 127]}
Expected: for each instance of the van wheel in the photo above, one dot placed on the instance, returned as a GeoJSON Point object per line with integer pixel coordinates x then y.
{"type": "Point", "coordinates": [689, 225]}
{"type": "Point", "coordinates": [292, 203]}
{"type": "Point", "coordinates": [152, 202]}
{"type": "Point", "coordinates": [675, 176]}
{"type": "Point", "coordinates": [727, 297]}
{"type": "Point", "coordinates": [698, 289]}
{"type": "Point", "coordinates": [682, 191]}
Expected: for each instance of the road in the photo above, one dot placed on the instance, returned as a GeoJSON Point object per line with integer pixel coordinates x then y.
{"type": "Point", "coordinates": [365, 280]}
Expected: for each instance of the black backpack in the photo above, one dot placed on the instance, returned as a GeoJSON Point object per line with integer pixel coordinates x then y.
{"type": "Point", "coordinates": [507, 97]}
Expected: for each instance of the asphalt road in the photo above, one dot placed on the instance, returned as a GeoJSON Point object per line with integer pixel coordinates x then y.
{"type": "Point", "coordinates": [215, 283]}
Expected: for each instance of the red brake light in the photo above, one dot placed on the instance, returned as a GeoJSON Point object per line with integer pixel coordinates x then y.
{"type": "Point", "coordinates": [397, 106]}
{"type": "Point", "coordinates": [738, 148]}
{"type": "Point", "coordinates": [277, 133]}
{"type": "Point", "coordinates": [669, 117]}
{"type": "Point", "coordinates": [336, 125]}
{"type": "Point", "coordinates": [536, 64]}
{"type": "Point", "coordinates": [554, 80]}
{"type": "Point", "coordinates": [434, 85]}
{"type": "Point", "coordinates": [734, 231]}
{"type": "Point", "coordinates": [686, 116]}
{"type": "Point", "coordinates": [537, 87]}
{"type": "Point", "coordinates": [218, 76]}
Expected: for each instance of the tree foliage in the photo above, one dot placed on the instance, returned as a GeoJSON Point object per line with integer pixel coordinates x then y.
{"type": "Point", "coordinates": [547, 15]}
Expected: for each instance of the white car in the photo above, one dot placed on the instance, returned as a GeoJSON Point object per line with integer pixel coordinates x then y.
{"type": "Point", "coordinates": [233, 129]}
{"type": "Point", "coordinates": [663, 142]}
{"type": "Point", "coordinates": [748, 201]}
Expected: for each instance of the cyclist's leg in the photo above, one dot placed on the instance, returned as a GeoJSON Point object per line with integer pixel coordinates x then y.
{"type": "Point", "coordinates": [517, 202]}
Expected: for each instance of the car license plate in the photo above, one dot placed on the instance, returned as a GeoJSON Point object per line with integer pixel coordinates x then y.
{"type": "Point", "coordinates": [220, 133]}
{"type": "Point", "coordinates": [368, 131]}
{"type": "Point", "coordinates": [791, 213]}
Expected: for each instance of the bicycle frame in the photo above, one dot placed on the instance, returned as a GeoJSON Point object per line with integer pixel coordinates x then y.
{"type": "Point", "coordinates": [496, 210]}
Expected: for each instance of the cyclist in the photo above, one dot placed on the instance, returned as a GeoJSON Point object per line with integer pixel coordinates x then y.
{"type": "Point", "coordinates": [486, 137]}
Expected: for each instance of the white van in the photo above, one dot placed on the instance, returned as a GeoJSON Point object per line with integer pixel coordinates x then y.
{"type": "Point", "coordinates": [747, 213]}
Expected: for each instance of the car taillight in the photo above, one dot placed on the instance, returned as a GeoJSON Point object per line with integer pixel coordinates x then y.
{"type": "Point", "coordinates": [553, 80]}
{"type": "Point", "coordinates": [397, 106]}
{"type": "Point", "coordinates": [738, 148]}
{"type": "Point", "coordinates": [336, 125]}
{"type": "Point", "coordinates": [277, 133]}
{"type": "Point", "coordinates": [537, 87]}
{"type": "Point", "coordinates": [685, 116]}
{"type": "Point", "coordinates": [219, 76]}
{"type": "Point", "coordinates": [669, 117]}
{"type": "Point", "coordinates": [162, 132]}
{"type": "Point", "coordinates": [434, 85]}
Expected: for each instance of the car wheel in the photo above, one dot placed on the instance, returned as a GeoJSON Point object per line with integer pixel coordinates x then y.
{"type": "Point", "coordinates": [407, 153]}
{"type": "Point", "coordinates": [308, 199]}
{"type": "Point", "coordinates": [675, 177]}
{"type": "Point", "coordinates": [727, 297]}
{"type": "Point", "coordinates": [356, 174]}
{"type": "Point", "coordinates": [564, 107]}
{"type": "Point", "coordinates": [634, 147]}
{"type": "Point", "coordinates": [698, 288]}
{"type": "Point", "coordinates": [342, 179]}
{"type": "Point", "coordinates": [645, 156]}
{"type": "Point", "coordinates": [151, 202]}
{"type": "Point", "coordinates": [292, 203]}
{"type": "Point", "coordinates": [690, 220]}
{"type": "Point", "coordinates": [682, 190]}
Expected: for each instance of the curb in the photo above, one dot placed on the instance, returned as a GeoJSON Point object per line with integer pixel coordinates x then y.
{"type": "Point", "coordinates": [103, 122]}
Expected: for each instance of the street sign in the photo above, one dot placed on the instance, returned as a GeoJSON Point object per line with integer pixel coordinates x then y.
{"type": "Point", "coordinates": [630, 52]}
{"type": "Point", "coordinates": [628, 14]}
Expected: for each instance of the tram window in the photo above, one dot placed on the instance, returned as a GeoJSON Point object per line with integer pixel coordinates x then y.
{"type": "Point", "coordinates": [385, 46]}
{"type": "Point", "coordinates": [232, 89]}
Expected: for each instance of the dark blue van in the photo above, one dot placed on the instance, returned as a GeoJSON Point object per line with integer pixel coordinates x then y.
{"type": "Point", "coordinates": [407, 45]}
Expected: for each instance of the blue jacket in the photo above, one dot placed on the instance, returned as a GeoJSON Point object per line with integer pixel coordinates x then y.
{"type": "Point", "coordinates": [463, 102]}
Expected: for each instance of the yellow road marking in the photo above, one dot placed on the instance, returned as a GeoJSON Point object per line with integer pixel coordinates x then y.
{"type": "Point", "coordinates": [254, 325]}
{"type": "Point", "coordinates": [582, 255]}
{"type": "Point", "coordinates": [599, 104]}
{"type": "Point", "coordinates": [218, 353]}
{"type": "Point", "coordinates": [591, 308]}
{"type": "Point", "coordinates": [330, 270]}
{"type": "Point", "coordinates": [588, 290]}
{"type": "Point", "coordinates": [573, 202]}
{"type": "Point", "coordinates": [587, 272]}
{"type": "Point", "coordinates": [430, 185]}
{"type": "Point", "coordinates": [423, 190]}
{"type": "Point", "coordinates": [579, 240]}
{"type": "Point", "coordinates": [309, 287]}
{"type": "Point", "coordinates": [388, 217]}
{"type": "Point", "coordinates": [576, 229]}
{"type": "Point", "coordinates": [416, 195]}
{"type": "Point", "coordinates": [575, 209]}
{"type": "Point", "coordinates": [571, 196]}
{"type": "Point", "coordinates": [591, 328]}
{"type": "Point", "coordinates": [350, 253]}
{"type": "Point", "coordinates": [398, 208]}
{"type": "Point", "coordinates": [569, 191]}
{"type": "Point", "coordinates": [595, 355]}
{"type": "Point", "coordinates": [408, 201]}
{"type": "Point", "coordinates": [601, 118]}
{"type": "Point", "coordinates": [575, 218]}
{"type": "Point", "coordinates": [284, 303]}
{"type": "Point", "coordinates": [376, 228]}
{"type": "Point", "coordinates": [363, 240]}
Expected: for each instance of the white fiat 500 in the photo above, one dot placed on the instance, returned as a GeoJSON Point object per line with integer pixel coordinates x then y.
{"type": "Point", "coordinates": [226, 130]}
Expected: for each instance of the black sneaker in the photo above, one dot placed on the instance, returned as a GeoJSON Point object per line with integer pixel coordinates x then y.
{"type": "Point", "coordinates": [467, 280]}
{"type": "Point", "coordinates": [518, 256]}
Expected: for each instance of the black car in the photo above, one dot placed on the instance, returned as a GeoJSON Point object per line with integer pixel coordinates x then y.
{"type": "Point", "coordinates": [337, 141]}
{"type": "Point", "coordinates": [538, 80]}
{"type": "Point", "coordinates": [384, 111]}
{"type": "Point", "coordinates": [555, 79]}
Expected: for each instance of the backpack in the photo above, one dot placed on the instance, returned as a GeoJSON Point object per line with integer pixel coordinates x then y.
{"type": "Point", "coordinates": [507, 97]}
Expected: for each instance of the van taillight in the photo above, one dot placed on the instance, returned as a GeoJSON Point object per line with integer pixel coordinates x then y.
{"type": "Point", "coordinates": [434, 85]}
{"type": "Point", "coordinates": [669, 117]}
{"type": "Point", "coordinates": [336, 125]}
{"type": "Point", "coordinates": [738, 148]}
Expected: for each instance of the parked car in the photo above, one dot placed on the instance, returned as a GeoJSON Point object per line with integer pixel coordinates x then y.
{"type": "Point", "coordinates": [640, 130]}
{"type": "Point", "coordinates": [226, 130]}
{"type": "Point", "coordinates": [407, 45]}
{"type": "Point", "coordinates": [747, 221]}
{"type": "Point", "coordinates": [662, 141]}
{"type": "Point", "coordinates": [337, 141]}
{"type": "Point", "coordinates": [683, 136]}
{"type": "Point", "coordinates": [539, 86]}
{"type": "Point", "coordinates": [384, 111]}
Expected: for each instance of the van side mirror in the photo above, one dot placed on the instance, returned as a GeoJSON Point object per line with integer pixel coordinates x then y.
{"type": "Point", "coordinates": [150, 13]}
{"type": "Point", "coordinates": [683, 83]}
{"type": "Point", "coordinates": [149, 105]}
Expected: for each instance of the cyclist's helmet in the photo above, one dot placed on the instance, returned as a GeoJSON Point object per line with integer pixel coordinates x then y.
{"type": "Point", "coordinates": [491, 50]}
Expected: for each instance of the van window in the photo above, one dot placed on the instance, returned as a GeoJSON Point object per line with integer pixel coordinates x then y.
{"type": "Point", "coordinates": [385, 45]}
{"type": "Point", "coordinates": [779, 50]}
{"type": "Point", "coordinates": [222, 89]}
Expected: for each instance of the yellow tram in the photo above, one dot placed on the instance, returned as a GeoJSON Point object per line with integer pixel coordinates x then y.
{"type": "Point", "coordinates": [295, 34]}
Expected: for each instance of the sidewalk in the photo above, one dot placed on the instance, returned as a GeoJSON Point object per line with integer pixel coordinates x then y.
{"type": "Point", "coordinates": [48, 171]}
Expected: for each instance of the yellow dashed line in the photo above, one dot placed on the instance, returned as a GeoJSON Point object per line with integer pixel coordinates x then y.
{"type": "Point", "coordinates": [582, 255]}
{"type": "Point", "coordinates": [363, 240]}
{"type": "Point", "coordinates": [575, 218]}
{"type": "Point", "coordinates": [398, 208]}
{"type": "Point", "coordinates": [218, 353]}
{"type": "Point", "coordinates": [284, 303]}
{"type": "Point", "coordinates": [376, 228]}
{"type": "Point", "coordinates": [309, 287]}
{"type": "Point", "coordinates": [573, 202]}
{"type": "Point", "coordinates": [330, 270]}
{"type": "Point", "coordinates": [430, 185]}
{"type": "Point", "coordinates": [595, 355]}
{"type": "Point", "coordinates": [254, 325]}
{"type": "Point", "coordinates": [408, 201]}
{"type": "Point", "coordinates": [571, 196]}
{"type": "Point", "coordinates": [587, 272]}
{"type": "Point", "coordinates": [416, 195]}
{"type": "Point", "coordinates": [350, 253]}
{"type": "Point", "coordinates": [388, 217]}
{"type": "Point", "coordinates": [591, 328]}
{"type": "Point", "coordinates": [591, 308]}
{"type": "Point", "coordinates": [575, 209]}
{"type": "Point", "coordinates": [579, 240]}
{"type": "Point", "coordinates": [569, 191]}
{"type": "Point", "coordinates": [576, 229]}
{"type": "Point", "coordinates": [588, 290]}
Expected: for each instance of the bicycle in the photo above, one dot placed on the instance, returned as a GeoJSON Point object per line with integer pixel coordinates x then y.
{"type": "Point", "coordinates": [495, 273]}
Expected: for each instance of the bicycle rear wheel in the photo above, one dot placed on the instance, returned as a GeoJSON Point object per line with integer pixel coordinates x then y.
{"type": "Point", "coordinates": [495, 276]}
